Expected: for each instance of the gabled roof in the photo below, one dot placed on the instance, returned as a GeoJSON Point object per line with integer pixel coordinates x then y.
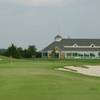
{"type": "Point", "coordinates": [71, 42]}
{"type": "Point", "coordinates": [58, 36]}
{"type": "Point", "coordinates": [81, 42]}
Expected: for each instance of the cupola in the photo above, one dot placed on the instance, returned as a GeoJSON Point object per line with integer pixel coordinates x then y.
{"type": "Point", "coordinates": [58, 38]}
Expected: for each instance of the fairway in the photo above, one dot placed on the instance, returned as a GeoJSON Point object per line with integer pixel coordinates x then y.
{"type": "Point", "coordinates": [37, 79]}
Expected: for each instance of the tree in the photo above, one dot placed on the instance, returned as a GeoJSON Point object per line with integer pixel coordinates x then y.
{"type": "Point", "coordinates": [32, 51]}
{"type": "Point", "coordinates": [38, 55]}
{"type": "Point", "coordinates": [26, 54]}
{"type": "Point", "coordinates": [20, 51]}
{"type": "Point", "coordinates": [12, 52]}
{"type": "Point", "coordinates": [2, 51]}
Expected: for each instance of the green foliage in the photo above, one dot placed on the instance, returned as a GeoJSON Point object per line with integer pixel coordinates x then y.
{"type": "Point", "coordinates": [12, 52]}
{"type": "Point", "coordinates": [38, 55]}
{"type": "Point", "coordinates": [18, 52]}
{"type": "Point", "coordinates": [2, 51]}
{"type": "Point", "coordinates": [32, 51]}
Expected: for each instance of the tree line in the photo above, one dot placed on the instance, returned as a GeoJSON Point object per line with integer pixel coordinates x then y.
{"type": "Point", "coordinates": [18, 52]}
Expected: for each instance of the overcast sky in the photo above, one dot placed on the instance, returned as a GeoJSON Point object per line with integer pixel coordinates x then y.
{"type": "Point", "coordinates": [26, 22]}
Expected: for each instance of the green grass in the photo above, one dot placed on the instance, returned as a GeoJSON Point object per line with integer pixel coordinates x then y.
{"type": "Point", "coordinates": [37, 80]}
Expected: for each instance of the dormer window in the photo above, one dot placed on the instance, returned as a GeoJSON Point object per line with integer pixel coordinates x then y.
{"type": "Point", "coordinates": [92, 45]}
{"type": "Point", "coordinates": [75, 45]}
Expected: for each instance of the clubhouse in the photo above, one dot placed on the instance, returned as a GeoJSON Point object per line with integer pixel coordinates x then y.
{"type": "Point", "coordinates": [72, 48]}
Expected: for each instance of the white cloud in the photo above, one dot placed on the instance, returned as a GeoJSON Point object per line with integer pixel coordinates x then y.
{"type": "Point", "coordinates": [39, 2]}
{"type": "Point", "coordinates": [44, 2]}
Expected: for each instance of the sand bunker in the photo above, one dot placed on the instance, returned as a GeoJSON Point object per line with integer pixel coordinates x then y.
{"type": "Point", "coordinates": [86, 70]}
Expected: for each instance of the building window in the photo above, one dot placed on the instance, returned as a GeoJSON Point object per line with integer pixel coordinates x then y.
{"type": "Point", "coordinates": [75, 54]}
{"type": "Point", "coordinates": [69, 54]}
{"type": "Point", "coordinates": [92, 55]}
{"type": "Point", "coordinates": [92, 45]}
{"type": "Point", "coordinates": [75, 45]}
{"type": "Point", "coordinates": [99, 54]}
{"type": "Point", "coordinates": [86, 55]}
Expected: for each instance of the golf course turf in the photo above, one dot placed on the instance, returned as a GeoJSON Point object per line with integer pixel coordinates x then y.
{"type": "Point", "coordinates": [37, 79]}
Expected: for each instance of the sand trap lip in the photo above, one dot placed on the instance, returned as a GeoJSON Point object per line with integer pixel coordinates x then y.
{"type": "Point", "coordinates": [89, 70]}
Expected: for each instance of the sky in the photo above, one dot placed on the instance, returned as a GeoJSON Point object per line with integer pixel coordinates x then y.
{"type": "Point", "coordinates": [37, 22]}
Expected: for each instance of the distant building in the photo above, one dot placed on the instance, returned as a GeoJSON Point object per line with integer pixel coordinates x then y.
{"type": "Point", "coordinates": [72, 48]}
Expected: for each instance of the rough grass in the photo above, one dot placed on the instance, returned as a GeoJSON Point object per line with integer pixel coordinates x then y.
{"type": "Point", "coordinates": [37, 80]}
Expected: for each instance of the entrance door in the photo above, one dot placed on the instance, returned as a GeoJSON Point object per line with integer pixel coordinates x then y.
{"type": "Point", "coordinates": [55, 55]}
